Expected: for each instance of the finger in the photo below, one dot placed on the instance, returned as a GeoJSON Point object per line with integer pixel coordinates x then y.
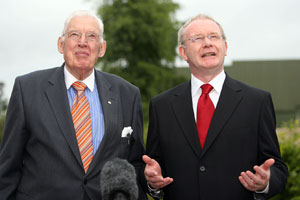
{"type": "Point", "coordinates": [245, 184]}
{"type": "Point", "coordinates": [249, 182]}
{"type": "Point", "coordinates": [268, 163]}
{"type": "Point", "coordinates": [160, 184]}
{"type": "Point", "coordinates": [166, 182]}
{"type": "Point", "coordinates": [256, 179]}
{"type": "Point", "coordinates": [154, 179]}
{"type": "Point", "coordinates": [148, 160]}
{"type": "Point", "coordinates": [261, 172]}
{"type": "Point", "coordinates": [152, 167]}
{"type": "Point", "coordinates": [157, 180]}
{"type": "Point", "coordinates": [150, 173]}
{"type": "Point", "coordinates": [259, 182]}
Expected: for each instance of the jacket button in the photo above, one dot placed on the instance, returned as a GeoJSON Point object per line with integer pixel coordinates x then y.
{"type": "Point", "coordinates": [84, 181]}
{"type": "Point", "coordinates": [202, 168]}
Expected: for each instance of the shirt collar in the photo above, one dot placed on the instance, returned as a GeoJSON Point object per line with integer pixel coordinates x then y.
{"type": "Point", "coordinates": [70, 79]}
{"type": "Point", "coordinates": [216, 82]}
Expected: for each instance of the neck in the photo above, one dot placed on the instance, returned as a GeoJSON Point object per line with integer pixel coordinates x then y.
{"type": "Point", "coordinates": [80, 74]}
{"type": "Point", "coordinates": [206, 75]}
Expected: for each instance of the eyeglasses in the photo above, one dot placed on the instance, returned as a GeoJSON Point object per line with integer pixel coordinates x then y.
{"type": "Point", "coordinates": [201, 38]}
{"type": "Point", "coordinates": [89, 36]}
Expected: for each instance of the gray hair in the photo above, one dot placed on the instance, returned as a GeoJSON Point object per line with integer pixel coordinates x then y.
{"type": "Point", "coordinates": [181, 32]}
{"type": "Point", "coordinates": [80, 13]}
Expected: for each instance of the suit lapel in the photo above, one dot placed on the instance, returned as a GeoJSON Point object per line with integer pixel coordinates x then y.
{"type": "Point", "coordinates": [57, 96]}
{"type": "Point", "coordinates": [183, 109]}
{"type": "Point", "coordinates": [110, 105]}
{"type": "Point", "coordinates": [229, 100]}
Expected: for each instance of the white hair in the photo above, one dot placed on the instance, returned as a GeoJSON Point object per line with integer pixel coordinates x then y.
{"type": "Point", "coordinates": [181, 32]}
{"type": "Point", "coordinates": [80, 13]}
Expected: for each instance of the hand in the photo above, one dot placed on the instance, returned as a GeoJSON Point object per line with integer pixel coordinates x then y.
{"type": "Point", "coordinates": [153, 174]}
{"type": "Point", "coordinates": [259, 180]}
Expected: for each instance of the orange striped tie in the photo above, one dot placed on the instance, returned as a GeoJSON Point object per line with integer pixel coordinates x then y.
{"type": "Point", "coordinates": [82, 124]}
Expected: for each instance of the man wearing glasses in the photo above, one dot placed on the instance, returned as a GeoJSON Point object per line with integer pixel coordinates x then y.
{"type": "Point", "coordinates": [213, 137]}
{"type": "Point", "coordinates": [63, 124]}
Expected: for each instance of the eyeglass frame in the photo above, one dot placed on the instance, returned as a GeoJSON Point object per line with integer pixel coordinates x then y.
{"type": "Point", "coordinates": [98, 38]}
{"type": "Point", "coordinates": [199, 38]}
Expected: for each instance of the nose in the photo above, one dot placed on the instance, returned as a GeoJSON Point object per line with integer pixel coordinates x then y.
{"type": "Point", "coordinates": [82, 40]}
{"type": "Point", "coordinates": [206, 41]}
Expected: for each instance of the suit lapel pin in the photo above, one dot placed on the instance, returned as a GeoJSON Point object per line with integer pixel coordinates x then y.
{"type": "Point", "coordinates": [109, 102]}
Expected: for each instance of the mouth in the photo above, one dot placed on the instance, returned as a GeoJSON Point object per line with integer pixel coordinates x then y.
{"type": "Point", "coordinates": [208, 54]}
{"type": "Point", "coordinates": [81, 53]}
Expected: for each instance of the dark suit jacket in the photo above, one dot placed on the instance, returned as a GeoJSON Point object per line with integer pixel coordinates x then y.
{"type": "Point", "coordinates": [39, 155]}
{"type": "Point", "coordinates": [241, 135]}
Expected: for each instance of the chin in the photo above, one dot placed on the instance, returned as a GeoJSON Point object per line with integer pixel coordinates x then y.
{"type": "Point", "coordinates": [84, 65]}
{"type": "Point", "coordinates": [211, 63]}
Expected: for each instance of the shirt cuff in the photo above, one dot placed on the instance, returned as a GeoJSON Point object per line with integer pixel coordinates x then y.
{"type": "Point", "coordinates": [265, 191]}
{"type": "Point", "coordinates": [155, 193]}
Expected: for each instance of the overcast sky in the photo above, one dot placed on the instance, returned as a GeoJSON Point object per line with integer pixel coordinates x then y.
{"type": "Point", "coordinates": [255, 30]}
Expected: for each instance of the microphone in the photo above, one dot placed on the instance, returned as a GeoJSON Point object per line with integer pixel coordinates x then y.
{"type": "Point", "coordinates": [118, 181]}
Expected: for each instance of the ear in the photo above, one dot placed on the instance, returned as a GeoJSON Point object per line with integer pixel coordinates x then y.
{"type": "Point", "coordinates": [226, 47]}
{"type": "Point", "coordinates": [102, 49]}
{"type": "Point", "coordinates": [182, 52]}
{"type": "Point", "coordinates": [60, 45]}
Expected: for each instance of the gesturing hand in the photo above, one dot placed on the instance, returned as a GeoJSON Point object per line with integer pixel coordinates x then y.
{"type": "Point", "coordinates": [153, 174]}
{"type": "Point", "coordinates": [259, 180]}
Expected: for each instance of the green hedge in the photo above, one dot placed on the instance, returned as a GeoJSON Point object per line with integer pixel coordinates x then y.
{"type": "Point", "coordinates": [289, 139]}
{"type": "Point", "coordinates": [2, 119]}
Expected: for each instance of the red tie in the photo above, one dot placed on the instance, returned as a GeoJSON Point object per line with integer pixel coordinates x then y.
{"type": "Point", "coordinates": [205, 112]}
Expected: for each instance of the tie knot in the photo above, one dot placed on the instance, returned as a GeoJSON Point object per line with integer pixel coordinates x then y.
{"type": "Point", "coordinates": [79, 86]}
{"type": "Point", "coordinates": [206, 88]}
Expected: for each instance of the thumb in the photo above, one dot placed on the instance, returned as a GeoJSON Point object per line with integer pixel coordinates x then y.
{"type": "Point", "coordinates": [268, 163]}
{"type": "Point", "coordinates": [148, 160]}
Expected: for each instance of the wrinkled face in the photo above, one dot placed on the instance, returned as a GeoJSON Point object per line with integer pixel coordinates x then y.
{"type": "Point", "coordinates": [81, 51]}
{"type": "Point", "coordinates": [204, 48]}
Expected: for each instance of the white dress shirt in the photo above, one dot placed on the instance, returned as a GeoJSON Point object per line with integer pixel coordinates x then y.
{"type": "Point", "coordinates": [214, 94]}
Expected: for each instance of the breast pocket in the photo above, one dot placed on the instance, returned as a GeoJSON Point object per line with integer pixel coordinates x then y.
{"type": "Point", "coordinates": [125, 147]}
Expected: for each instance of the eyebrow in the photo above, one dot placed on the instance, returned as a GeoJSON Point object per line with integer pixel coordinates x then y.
{"type": "Point", "coordinates": [198, 34]}
{"type": "Point", "coordinates": [74, 30]}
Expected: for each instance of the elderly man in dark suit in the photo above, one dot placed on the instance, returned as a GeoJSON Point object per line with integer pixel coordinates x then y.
{"type": "Point", "coordinates": [213, 137]}
{"type": "Point", "coordinates": [63, 124]}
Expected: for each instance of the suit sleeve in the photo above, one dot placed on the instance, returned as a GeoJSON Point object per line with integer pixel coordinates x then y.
{"type": "Point", "coordinates": [153, 146]}
{"type": "Point", "coordinates": [269, 147]}
{"type": "Point", "coordinates": [12, 146]}
{"type": "Point", "coordinates": [137, 148]}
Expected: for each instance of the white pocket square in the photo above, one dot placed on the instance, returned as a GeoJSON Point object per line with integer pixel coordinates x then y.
{"type": "Point", "coordinates": [126, 130]}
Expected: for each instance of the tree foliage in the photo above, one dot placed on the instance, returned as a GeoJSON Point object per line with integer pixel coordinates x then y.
{"type": "Point", "coordinates": [138, 30]}
{"type": "Point", "coordinates": [141, 41]}
{"type": "Point", "coordinates": [151, 80]}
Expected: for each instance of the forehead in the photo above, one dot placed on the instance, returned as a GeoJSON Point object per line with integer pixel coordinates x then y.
{"type": "Point", "coordinates": [87, 23]}
{"type": "Point", "coordinates": [202, 26]}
